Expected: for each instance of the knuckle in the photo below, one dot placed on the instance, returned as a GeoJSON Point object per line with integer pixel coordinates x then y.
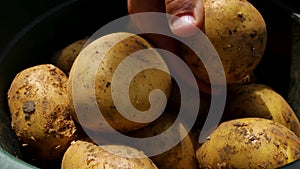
{"type": "Point", "coordinates": [180, 7]}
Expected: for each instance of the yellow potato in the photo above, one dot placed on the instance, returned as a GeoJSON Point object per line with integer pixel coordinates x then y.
{"type": "Point", "coordinates": [65, 57]}
{"type": "Point", "coordinates": [258, 100]}
{"type": "Point", "coordinates": [238, 32]}
{"type": "Point", "coordinates": [249, 143]}
{"type": "Point", "coordinates": [41, 118]}
{"type": "Point", "coordinates": [83, 154]}
{"type": "Point", "coordinates": [175, 102]}
{"type": "Point", "coordinates": [182, 155]}
{"type": "Point", "coordinates": [110, 51]}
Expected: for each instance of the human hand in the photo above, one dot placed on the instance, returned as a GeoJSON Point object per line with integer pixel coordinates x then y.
{"type": "Point", "coordinates": [189, 13]}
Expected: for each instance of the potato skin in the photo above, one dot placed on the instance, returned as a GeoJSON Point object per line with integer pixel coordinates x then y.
{"type": "Point", "coordinates": [66, 56]}
{"type": "Point", "coordinates": [249, 143]}
{"type": "Point", "coordinates": [40, 114]}
{"type": "Point", "coordinates": [238, 32]}
{"type": "Point", "coordinates": [84, 154]}
{"type": "Point", "coordinates": [119, 46]}
{"type": "Point", "coordinates": [182, 155]}
{"type": "Point", "coordinates": [259, 100]}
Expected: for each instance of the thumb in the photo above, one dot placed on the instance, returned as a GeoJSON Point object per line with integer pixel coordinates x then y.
{"type": "Point", "coordinates": [186, 16]}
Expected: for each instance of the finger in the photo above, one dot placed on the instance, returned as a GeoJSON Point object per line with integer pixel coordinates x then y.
{"type": "Point", "coordinates": [188, 16]}
{"type": "Point", "coordinates": [137, 6]}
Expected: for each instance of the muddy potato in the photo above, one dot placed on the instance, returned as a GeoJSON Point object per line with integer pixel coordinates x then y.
{"type": "Point", "coordinates": [84, 154]}
{"type": "Point", "coordinates": [40, 114]}
{"type": "Point", "coordinates": [65, 57]}
{"type": "Point", "coordinates": [249, 143]}
{"type": "Point", "coordinates": [258, 100]}
{"type": "Point", "coordinates": [182, 155]}
{"type": "Point", "coordinates": [238, 32]}
{"type": "Point", "coordinates": [95, 69]}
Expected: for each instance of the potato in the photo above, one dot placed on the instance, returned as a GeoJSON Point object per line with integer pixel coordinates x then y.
{"type": "Point", "coordinates": [238, 32]}
{"type": "Point", "coordinates": [84, 154]}
{"type": "Point", "coordinates": [249, 79]}
{"type": "Point", "coordinates": [249, 143]}
{"type": "Point", "coordinates": [175, 102]}
{"type": "Point", "coordinates": [66, 56]}
{"type": "Point", "coordinates": [39, 106]}
{"type": "Point", "coordinates": [110, 51]}
{"type": "Point", "coordinates": [182, 155]}
{"type": "Point", "coordinates": [259, 100]}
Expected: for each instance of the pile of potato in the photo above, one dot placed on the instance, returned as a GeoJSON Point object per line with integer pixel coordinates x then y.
{"type": "Point", "coordinates": [259, 129]}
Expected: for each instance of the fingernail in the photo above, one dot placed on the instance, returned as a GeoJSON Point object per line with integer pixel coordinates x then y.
{"type": "Point", "coordinates": [183, 26]}
{"type": "Point", "coordinates": [182, 21]}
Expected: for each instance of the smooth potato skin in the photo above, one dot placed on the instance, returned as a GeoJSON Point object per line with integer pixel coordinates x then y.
{"type": "Point", "coordinates": [249, 143]}
{"type": "Point", "coordinates": [40, 114]}
{"type": "Point", "coordinates": [65, 58]}
{"type": "Point", "coordinates": [112, 49]}
{"type": "Point", "coordinates": [83, 154]}
{"type": "Point", "coordinates": [238, 32]}
{"type": "Point", "coordinates": [182, 155]}
{"type": "Point", "coordinates": [259, 100]}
